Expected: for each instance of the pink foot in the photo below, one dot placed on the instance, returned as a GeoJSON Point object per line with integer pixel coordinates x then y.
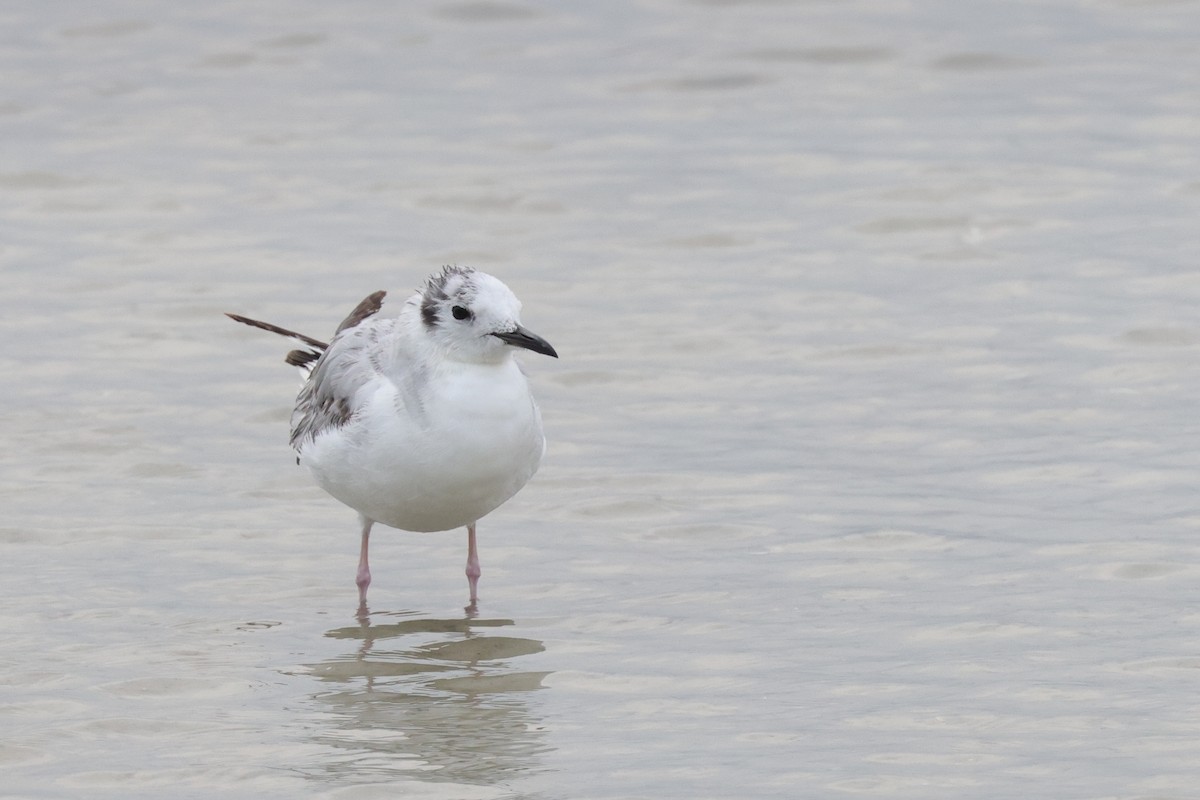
{"type": "Point", "coordinates": [363, 576]}
{"type": "Point", "coordinates": [473, 569]}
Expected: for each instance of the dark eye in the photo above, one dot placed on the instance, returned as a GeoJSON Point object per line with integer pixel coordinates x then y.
{"type": "Point", "coordinates": [460, 313]}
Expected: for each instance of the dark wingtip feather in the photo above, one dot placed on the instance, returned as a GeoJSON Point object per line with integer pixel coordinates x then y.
{"type": "Point", "coordinates": [266, 326]}
{"type": "Point", "coordinates": [368, 307]}
{"type": "Point", "coordinates": [301, 358]}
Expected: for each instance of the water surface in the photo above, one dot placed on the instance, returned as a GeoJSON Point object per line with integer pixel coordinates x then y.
{"type": "Point", "coordinates": [873, 440]}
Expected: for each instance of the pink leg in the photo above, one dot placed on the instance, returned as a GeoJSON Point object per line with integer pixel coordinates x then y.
{"type": "Point", "coordinates": [473, 570]}
{"type": "Point", "coordinates": [363, 578]}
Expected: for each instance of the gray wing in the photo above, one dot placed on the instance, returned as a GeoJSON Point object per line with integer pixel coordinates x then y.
{"type": "Point", "coordinates": [351, 359]}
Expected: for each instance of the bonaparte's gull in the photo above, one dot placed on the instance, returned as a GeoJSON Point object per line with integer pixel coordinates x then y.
{"type": "Point", "coordinates": [423, 420]}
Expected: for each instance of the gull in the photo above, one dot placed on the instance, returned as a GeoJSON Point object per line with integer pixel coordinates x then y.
{"type": "Point", "coordinates": [422, 421]}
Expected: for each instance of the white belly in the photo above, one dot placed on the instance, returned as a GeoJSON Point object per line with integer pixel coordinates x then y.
{"type": "Point", "coordinates": [470, 443]}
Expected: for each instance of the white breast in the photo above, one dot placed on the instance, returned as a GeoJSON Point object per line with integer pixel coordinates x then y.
{"type": "Point", "coordinates": [434, 457]}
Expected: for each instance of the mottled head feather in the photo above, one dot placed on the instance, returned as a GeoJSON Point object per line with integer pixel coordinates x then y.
{"type": "Point", "coordinates": [438, 287]}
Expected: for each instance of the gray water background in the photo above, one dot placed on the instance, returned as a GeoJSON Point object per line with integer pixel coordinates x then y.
{"type": "Point", "coordinates": [873, 444]}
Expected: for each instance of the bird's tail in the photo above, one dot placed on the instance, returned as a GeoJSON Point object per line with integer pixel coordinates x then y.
{"type": "Point", "coordinates": [305, 357]}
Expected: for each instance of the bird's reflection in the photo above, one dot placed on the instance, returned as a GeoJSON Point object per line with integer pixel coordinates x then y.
{"type": "Point", "coordinates": [430, 698]}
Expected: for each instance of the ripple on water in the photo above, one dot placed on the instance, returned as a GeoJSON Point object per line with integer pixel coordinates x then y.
{"type": "Point", "coordinates": [163, 687]}
{"type": "Point", "coordinates": [14, 754]}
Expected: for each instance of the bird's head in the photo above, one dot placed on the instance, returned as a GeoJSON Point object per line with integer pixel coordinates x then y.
{"type": "Point", "coordinates": [472, 316]}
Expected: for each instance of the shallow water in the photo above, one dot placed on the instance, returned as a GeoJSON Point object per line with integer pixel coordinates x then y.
{"type": "Point", "coordinates": [872, 450]}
